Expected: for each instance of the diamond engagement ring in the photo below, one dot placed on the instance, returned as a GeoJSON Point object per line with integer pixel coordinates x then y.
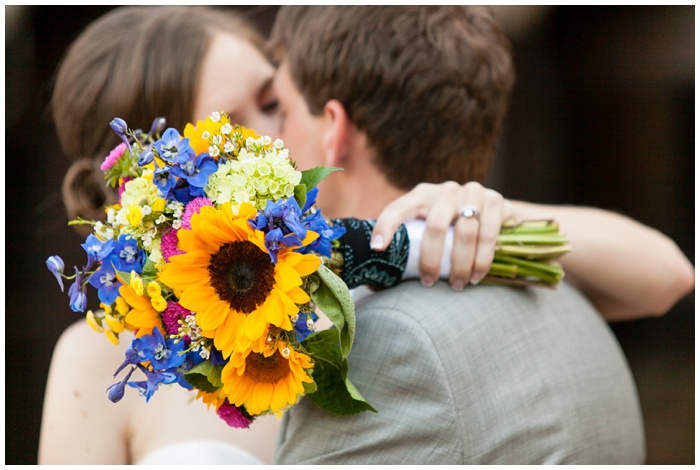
{"type": "Point", "coordinates": [470, 212]}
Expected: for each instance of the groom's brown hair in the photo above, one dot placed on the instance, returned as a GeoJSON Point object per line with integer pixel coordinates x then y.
{"type": "Point", "coordinates": [428, 85]}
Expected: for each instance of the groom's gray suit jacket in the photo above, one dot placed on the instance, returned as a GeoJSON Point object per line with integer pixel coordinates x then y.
{"type": "Point", "coordinates": [489, 375]}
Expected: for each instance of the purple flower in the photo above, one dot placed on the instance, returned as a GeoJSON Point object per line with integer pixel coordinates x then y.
{"type": "Point", "coordinates": [56, 266]}
{"type": "Point", "coordinates": [145, 157]}
{"type": "Point", "coordinates": [157, 126]}
{"type": "Point", "coordinates": [115, 392]}
{"type": "Point", "coordinates": [119, 126]}
{"type": "Point", "coordinates": [76, 292]}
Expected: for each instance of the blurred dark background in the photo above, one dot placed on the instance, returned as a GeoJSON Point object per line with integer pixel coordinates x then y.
{"type": "Point", "coordinates": [603, 114]}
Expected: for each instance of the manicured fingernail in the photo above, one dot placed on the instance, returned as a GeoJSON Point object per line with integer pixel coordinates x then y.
{"type": "Point", "coordinates": [457, 285]}
{"type": "Point", "coordinates": [427, 281]}
{"type": "Point", "coordinates": [475, 279]}
{"type": "Point", "coordinates": [377, 242]}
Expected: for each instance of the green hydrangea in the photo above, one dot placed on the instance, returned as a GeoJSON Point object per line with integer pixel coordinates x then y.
{"type": "Point", "coordinates": [260, 173]}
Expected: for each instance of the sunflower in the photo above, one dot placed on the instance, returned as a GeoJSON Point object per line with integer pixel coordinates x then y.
{"type": "Point", "coordinates": [266, 377]}
{"type": "Point", "coordinates": [226, 276]}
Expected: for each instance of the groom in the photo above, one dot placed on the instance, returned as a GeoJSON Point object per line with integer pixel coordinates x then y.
{"type": "Point", "coordinates": [396, 96]}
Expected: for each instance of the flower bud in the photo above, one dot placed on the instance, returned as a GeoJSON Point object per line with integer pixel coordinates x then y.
{"type": "Point", "coordinates": [56, 266]}
{"type": "Point", "coordinates": [157, 127]}
{"type": "Point", "coordinates": [118, 125]}
{"type": "Point", "coordinates": [146, 157]}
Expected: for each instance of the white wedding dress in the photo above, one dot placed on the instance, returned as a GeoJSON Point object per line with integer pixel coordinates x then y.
{"type": "Point", "coordinates": [200, 452]}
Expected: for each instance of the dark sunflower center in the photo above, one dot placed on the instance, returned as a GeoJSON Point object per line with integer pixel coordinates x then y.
{"type": "Point", "coordinates": [266, 369]}
{"type": "Point", "coordinates": [242, 275]}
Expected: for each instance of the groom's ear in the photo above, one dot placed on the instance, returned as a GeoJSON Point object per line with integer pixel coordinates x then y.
{"type": "Point", "coordinates": [335, 139]}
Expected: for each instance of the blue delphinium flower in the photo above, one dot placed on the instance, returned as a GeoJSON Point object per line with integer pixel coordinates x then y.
{"type": "Point", "coordinates": [165, 181]}
{"type": "Point", "coordinates": [174, 149]}
{"type": "Point", "coordinates": [149, 386]}
{"type": "Point", "coordinates": [96, 249]}
{"type": "Point", "coordinates": [106, 282]}
{"type": "Point", "coordinates": [126, 255]}
{"type": "Point", "coordinates": [305, 325]}
{"type": "Point", "coordinates": [281, 224]}
{"type": "Point", "coordinates": [326, 234]}
{"type": "Point", "coordinates": [166, 356]}
{"type": "Point", "coordinates": [56, 266]}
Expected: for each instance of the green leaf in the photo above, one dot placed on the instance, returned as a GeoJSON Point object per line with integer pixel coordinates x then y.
{"type": "Point", "coordinates": [300, 194]}
{"type": "Point", "coordinates": [333, 299]}
{"type": "Point", "coordinates": [205, 376]}
{"type": "Point", "coordinates": [334, 393]}
{"type": "Point", "coordinates": [315, 175]}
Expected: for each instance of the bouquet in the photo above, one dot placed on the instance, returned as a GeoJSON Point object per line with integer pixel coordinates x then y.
{"type": "Point", "coordinates": [213, 258]}
{"type": "Point", "coordinates": [216, 259]}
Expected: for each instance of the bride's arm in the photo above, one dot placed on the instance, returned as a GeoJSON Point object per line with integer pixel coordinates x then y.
{"type": "Point", "coordinates": [626, 269]}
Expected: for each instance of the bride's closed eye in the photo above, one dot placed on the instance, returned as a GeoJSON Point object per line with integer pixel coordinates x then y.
{"type": "Point", "coordinates": [270, 107]}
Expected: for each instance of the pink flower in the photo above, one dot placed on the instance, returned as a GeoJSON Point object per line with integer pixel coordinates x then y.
{"type": "Point", "coordinates": [193, 207]}
{"type": "Point", "coordinates": [168, 244]}
{"type": "Point", "coordinates": [233, 416]}
{"type": "Point", "coordinates": [113, 156]}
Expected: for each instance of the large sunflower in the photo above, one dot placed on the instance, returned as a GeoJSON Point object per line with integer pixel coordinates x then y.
{"type": "Point", "coordinates": [227, 277]}
{"type": "Point", "coordinates": [265, 377]}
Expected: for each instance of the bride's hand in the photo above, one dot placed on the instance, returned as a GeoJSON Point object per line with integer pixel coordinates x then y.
{"type": "Point", "coordinates": [477, 214]}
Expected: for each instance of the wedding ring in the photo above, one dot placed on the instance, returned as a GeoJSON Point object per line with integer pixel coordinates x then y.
{"type": "Point", "coordinates": [470, 212]}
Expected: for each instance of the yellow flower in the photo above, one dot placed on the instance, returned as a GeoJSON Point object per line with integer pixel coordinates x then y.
{"type": "Point", "coordinates": [92, 321]}
{"type": "Point", "coordinates": [114, 323]}
{"type": "Point", "coordinates": [112, 337]}
{"type": "Point", "coordinates": [136, 283]}
{"type": "Point", "coordinates": [265, 377]}
{"type": "Point", "coordinates": [142, 316]}
{"type": "Point", "coordinates": [153, 289]}
{"type": "Point", "coordinates": [159, 205]}
{"type": "Point", "coordinates": [135, 215]}
{"type": "Point", "coordinates": [227, 277]}
{"type": "Point", "coordinates": [121, 306]}
{"type": "Point", "coordinates": [159, 303]}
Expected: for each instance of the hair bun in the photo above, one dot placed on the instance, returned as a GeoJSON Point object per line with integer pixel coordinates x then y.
{"type": "Point", "coordinates": [84, 192]}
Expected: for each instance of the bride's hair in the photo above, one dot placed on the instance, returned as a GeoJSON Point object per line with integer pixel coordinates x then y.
{"type": "Point", "coordinates": [136, 63]}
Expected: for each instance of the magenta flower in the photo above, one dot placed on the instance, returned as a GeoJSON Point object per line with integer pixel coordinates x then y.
{"type": "Point", "coordinates": [234, 417]}
{"type": "Point", "coordinates": [168, 244]}
{"type": "Point", "coordinates": [113, 157]}
{"type": "Point", "coordinates": [172, 313]}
